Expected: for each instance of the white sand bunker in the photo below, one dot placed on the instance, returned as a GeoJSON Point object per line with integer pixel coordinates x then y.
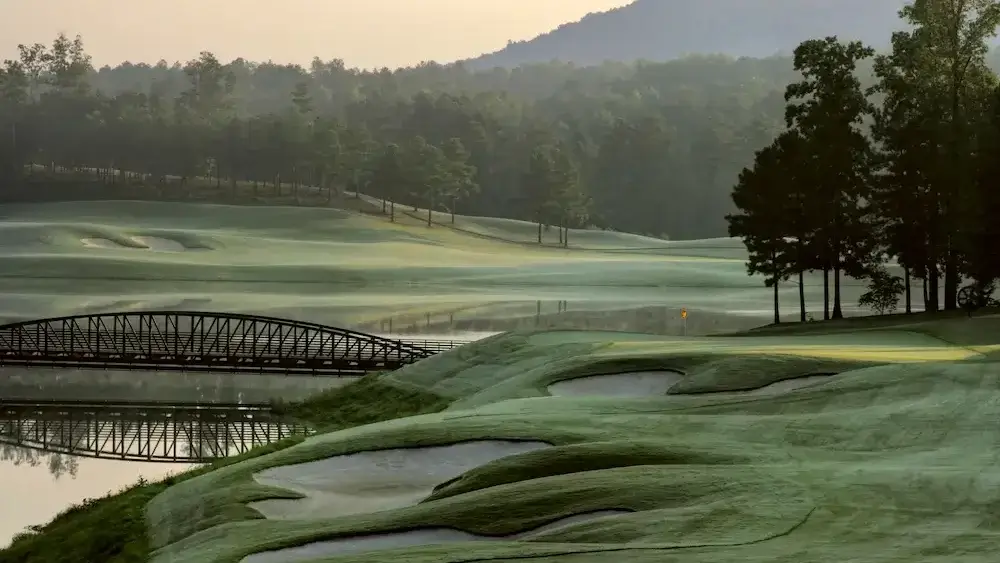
{"type": "Point", "coordinates": [376, 480]}
{"type": "Point", "coordinates": [156, 244]}
{"type": "Point", "coordinates": [413, 538]}
{"type": "Point", "coordinates": [633, 384]}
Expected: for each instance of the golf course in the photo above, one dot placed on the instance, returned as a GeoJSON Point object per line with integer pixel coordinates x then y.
{"type": "Point", "coordinates": [348, 267]}
{"type": "Point", "coordinates": [860, 439]}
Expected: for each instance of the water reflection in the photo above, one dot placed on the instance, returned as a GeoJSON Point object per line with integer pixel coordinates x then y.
{"type": "Point", "coordinates": [57, 464]}
{"type": "Point", "coordinates": [54, 454]}
{"type": "Point", "coordinates": [137, 432]}
{"type": "Point", "coordinates": [45, 384]}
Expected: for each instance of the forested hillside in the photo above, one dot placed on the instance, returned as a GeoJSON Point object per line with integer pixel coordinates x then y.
{"type": "Point", "coordinates": [655, 147]}
{"type": "Point", "coordinates": [652, 148]}
{"type": "Point", "coordinates": [661, 30]}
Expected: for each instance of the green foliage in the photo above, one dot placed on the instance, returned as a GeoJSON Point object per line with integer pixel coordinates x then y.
{"type": "Point", "coordinates": [655, 147]}
{"type": "Point", "coordinates": [884, 290]}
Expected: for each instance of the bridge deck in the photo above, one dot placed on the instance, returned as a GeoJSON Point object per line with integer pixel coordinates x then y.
{"type": "Point", "coordinates": [199, 341]}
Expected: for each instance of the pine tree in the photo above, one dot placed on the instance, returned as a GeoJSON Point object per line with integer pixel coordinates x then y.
{"type": "Point", "coordinates": [827, 108]}
{"type": "Point", "coordinates": [763, 221]}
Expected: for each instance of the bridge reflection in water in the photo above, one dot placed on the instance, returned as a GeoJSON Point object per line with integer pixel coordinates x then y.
{"type": "Point", "coordinates": [153, 432]}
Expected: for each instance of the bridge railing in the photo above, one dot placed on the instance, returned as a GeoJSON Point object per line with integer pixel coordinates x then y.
{"type": "Point", "coordinates": [198, 341]}
{"type": "Point", "coordinates": [436, 346]}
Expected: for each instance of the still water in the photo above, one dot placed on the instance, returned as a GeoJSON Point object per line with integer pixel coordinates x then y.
{"type": "Point", "coordinates": [61, 441]}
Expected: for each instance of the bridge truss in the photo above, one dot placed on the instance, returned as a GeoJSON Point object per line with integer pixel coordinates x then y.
{"type": "Point", "coordinates": [141, 432]}
{"type": "Point", "coordinates": [199, 341]}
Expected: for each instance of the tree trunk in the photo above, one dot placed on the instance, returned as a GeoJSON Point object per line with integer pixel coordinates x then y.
{"type": "Point", "coordinates": [566, 238]}
{"type": "Point", "coordinates": [927, 300]}
{"type": "Point", "coordinates": [932, 288]}
{"type": "Point", "coordinates": [950, 281]}
{"type": "Point", "coordinates": [392, 211]}
{"type": "Point", "coordinates": [429, 214]}
{"type": "Point", "coordinates": [777, 313]}
{"type": "Point", "coordinates": [837, 312]}
{"type": "Point", "coordinates": [454, 203]}
{"type": "Point", "coordinates": [539, 232]}
{"type": "Point", "coordinates": [802, 297]}
{"type": "Point", "coordinates": [826, 293]}
{"type": "Point", "coordinates": [909, 291]}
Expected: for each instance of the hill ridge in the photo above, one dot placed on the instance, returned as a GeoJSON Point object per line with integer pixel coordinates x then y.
{"type": "Point", "coordinates": [657, 30]}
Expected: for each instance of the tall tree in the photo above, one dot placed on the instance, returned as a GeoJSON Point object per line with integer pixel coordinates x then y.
{"type": "Point", "coordinates": [983, 259]}
{"type": "Point", "coordinates": [460, 175]}
{"type": "Point", "coordinates": [389, 177]}
{"type": "Point", "coordinates": [551, 177]}
{"type": "Point", "coordinates": [950, 39]}
{"type": "Point", "coordinates": [828, 108]}
{"type": "Point", "coordinates": [427, 175]}
{"type": "Point", "coordinates": [906, 192]}
{"type": "Point", "coordinates": [762, 222]}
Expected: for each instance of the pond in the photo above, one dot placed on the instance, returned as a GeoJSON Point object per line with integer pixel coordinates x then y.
{"type": "Point", "coordinates": [55, 453]}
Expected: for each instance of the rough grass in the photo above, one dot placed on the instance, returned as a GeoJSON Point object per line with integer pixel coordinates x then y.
{"type": "Point", "coordinates": [365, 401]}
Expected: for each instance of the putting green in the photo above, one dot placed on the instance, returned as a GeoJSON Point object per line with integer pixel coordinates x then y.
{"type": "Point", "coordinates": [890, 458]}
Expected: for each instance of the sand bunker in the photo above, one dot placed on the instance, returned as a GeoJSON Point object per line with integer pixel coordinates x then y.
{"type": "Point", "coordinates": [634, 384]}
{"type": "Point", "coordinates": [375, 480]}
{"type": "Point", "coordinates": [413, 538]}
{"type": "Point", "coordinates": [101, 243]}
{"type": "Point", "coordinates": [156, 244]}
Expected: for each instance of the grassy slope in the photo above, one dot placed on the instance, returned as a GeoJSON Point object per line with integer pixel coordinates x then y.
{"type": "Point", "coordinates": [45, 239]}
{"type": "Point", "coordinates": [892, 445]}
{"type": "Point", "coordinates": [362, 264]}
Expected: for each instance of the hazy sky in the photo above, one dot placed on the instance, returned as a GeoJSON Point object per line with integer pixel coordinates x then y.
{"type": "Point", "coordinates": [365, 33]}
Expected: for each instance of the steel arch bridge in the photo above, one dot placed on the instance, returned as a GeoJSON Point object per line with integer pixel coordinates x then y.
{"type": "Point", "coordinates": [141, 432]}
{"type": "Point", "coordinates": [203, 341]}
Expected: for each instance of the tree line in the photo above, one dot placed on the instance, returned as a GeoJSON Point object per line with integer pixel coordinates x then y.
{"type": "Point", "coordinates": [646, 148]}
{"type": "Point", "coordinates": [894, 182]}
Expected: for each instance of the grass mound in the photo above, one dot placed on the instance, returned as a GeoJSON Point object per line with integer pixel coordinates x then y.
{"type": "Point", "coordinates": [578, 458]}
{"type": "Point", "coordinates": [894, 440]}
{"type": "Point", "coordinates": [365, 401]}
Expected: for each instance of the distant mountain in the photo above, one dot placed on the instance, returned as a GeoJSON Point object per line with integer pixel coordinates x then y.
{"type": "Point", "coordinates": [660, 30]}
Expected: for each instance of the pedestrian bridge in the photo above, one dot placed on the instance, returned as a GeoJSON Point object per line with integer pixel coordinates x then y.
{"type": "Point", "coordinates": [203, 341]}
